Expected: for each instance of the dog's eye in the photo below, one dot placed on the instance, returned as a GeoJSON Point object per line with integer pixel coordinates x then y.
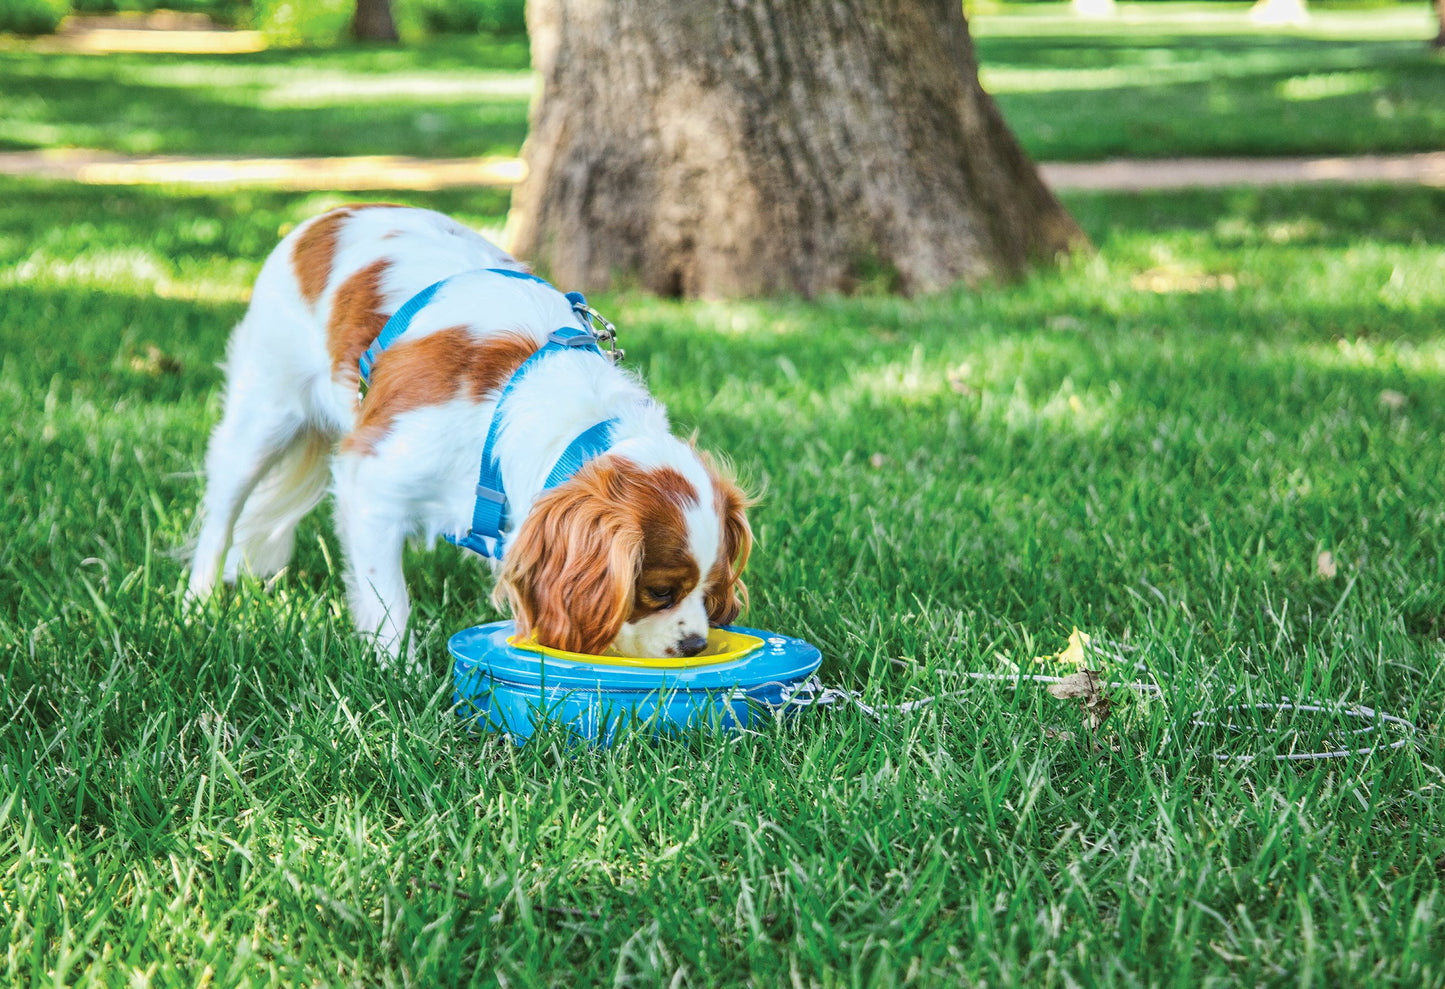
{"type": "Point", "coordinates": [662, 595]}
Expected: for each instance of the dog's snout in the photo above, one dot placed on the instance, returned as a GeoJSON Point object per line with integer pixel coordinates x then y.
{"type": "Point", "coordinates": [692, 645]}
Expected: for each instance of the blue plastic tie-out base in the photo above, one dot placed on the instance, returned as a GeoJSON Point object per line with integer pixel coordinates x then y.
{"type": "Point", "coordinates": [500, 687]}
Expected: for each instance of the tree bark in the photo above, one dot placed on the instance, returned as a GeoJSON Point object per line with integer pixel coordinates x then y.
{"type": "Point", "coordinates": [1439, 40]}
{"type": "Point", "coordinates": [741, 147]}
{"type": "Point", "coordinates": [373, 21]}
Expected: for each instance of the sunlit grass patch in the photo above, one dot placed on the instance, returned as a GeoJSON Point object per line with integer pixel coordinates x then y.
{"type": "Point", "coordinates": [1180, 80]}
{"type": "Point", "coordinates": [449, 98]}
{"type": "Point", "coordinates": [1158, 445]}
{"type": "Point", "coordinates": [1158, 80]}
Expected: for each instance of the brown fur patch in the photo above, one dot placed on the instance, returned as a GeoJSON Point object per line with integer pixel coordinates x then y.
{"type": "Point", "coordinates": [659, 496]}
{"type": "Point", "coordinates": [570, 571]}
{"type": "Point", "coordinates": [585, 558]}
{"type": "Point", "coordinates": [431, 370]}
{"type": "Point", "coordinates": [357, 317]}
{"type": "Point", "coordinates": [315, 253]}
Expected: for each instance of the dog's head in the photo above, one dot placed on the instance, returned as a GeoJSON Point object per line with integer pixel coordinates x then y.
{"type": "Point", "coordinates": [643, 559]}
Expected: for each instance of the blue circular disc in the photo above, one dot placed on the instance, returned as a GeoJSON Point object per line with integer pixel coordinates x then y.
{"type": "Point", "coordinates": [507, 688]}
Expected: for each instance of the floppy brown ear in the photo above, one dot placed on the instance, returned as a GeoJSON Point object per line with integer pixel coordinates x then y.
{"type": "Point", "coordinates": [726, 594]}
{"type": "Point", "coordinates": [569, 572]}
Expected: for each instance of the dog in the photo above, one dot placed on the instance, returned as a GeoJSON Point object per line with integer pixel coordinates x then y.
{"type": "Point", "coordinates": [634, 542]}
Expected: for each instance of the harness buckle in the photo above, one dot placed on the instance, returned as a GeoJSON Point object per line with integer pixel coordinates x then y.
{"type": "Point", "coordinates": [563, 338]}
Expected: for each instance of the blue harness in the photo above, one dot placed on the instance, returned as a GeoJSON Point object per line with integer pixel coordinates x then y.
{"type": "Point", "coordinates": [489, 515]}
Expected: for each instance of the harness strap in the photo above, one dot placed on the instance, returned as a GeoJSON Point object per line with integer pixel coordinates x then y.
{"type": "Point", "coordinates": [590, 443]}
{"type": "Point", "coordinates": [400, 320]}
{"type": "Point", "coordinates": [489, 513]}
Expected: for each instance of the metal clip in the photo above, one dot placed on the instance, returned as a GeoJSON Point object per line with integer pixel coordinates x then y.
{"type": "Point", "coordinates": [607, 335]}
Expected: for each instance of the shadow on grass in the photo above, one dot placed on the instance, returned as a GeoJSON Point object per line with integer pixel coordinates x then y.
{"type": "Point", "coordinates": [244, 789]}
{"type": "Point", "coordinates": [1032, 452]}
{"type": "Point", "coordinates": [161, 104]}
{"type": "Point", "coordinates": [1243, 219]}
{"type": "Point", "coordinates": [1171, 95]}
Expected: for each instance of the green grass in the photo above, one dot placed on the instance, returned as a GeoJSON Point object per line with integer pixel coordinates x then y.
{"type": "Point", "coordinates": [1154, 444]}
{"type": "Point", "coordinates": [1160, 80]}
{"type": "Point", "coordinates": [1180, 79]}
{"type": "Point", "coordinates": [449, 97]}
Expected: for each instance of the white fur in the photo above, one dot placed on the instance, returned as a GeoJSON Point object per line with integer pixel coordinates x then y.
{"type": "Point", "coordinates": [266, 465]}
{"type": "Point", "coordinates": [658, 634]}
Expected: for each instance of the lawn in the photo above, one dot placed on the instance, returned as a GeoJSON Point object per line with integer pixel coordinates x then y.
{"type": "Point", "coordinates": [1161, 80]}
{"type": "Point", "coordinates": [1155, 444]}
{"type": "Point", "coordinates": [1214, 445]}
{"type": "Point", "coordinates": [448, 98]}
{"type": "Point", "coordinates": [1181, 79]}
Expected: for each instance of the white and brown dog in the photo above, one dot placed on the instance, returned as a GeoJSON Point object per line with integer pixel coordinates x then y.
{"type": "Point", "coordinates": [635, 542]}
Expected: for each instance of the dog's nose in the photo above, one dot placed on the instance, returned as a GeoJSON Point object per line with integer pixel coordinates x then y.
{"type": "Point", "coordinates": [692, 645]}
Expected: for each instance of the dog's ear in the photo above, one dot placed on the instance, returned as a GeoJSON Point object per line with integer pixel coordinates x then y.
{"type": "Point", "coordinates": [569, 573]}
{"type": "Point", "coordinates": [726, 594]}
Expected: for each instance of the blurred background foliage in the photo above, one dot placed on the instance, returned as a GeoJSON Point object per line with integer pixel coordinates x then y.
{"type": "Point", "coordinates": [326, 22]}
{"type": "Point", "coordinates": [285, 22]}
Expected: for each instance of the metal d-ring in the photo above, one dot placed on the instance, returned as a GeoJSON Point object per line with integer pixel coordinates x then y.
{"type": "Point", "coordinates": [607, 335]}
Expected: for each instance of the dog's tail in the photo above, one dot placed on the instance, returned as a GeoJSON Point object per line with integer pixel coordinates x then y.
{"type": "Point", "coordinates": [265, 532]}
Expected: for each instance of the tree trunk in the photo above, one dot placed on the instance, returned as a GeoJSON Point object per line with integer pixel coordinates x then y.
{"type": "Point", "coordinates": [1439, 41]}
{"type": "Point", "coordinates": [373, 21]}
{"type": "Point", "coordinates": [754, 146]}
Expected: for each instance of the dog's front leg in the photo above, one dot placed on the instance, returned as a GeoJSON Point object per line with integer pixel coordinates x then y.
{"type": "Point", "coordinates": [375, 583]}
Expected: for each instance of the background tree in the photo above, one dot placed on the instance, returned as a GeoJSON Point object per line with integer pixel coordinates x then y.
{"type": "Point", "coordinates": [373, 21]}
{"type": "Point", "coordinates": [769, 145]}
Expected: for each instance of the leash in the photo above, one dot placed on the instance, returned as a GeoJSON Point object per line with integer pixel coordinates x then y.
{"type": "Point", "coordinates": [812, 694]}
{"type": "Point", "coordinates": [489, 512]}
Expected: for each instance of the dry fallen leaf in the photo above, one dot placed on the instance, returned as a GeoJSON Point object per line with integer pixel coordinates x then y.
{"type": "Point", "coordinates": [1082, 684]}
{"type": "Point", "coordinates": [1325, 565]}
{"type": "Point", "coordinates": [1087, 688]}
{"type": "Point", "coordinates": [1392, 400]}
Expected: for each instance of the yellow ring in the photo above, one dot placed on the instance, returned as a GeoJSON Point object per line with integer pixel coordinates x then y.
{"type": "Point", "coordinates": [722, 647]}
